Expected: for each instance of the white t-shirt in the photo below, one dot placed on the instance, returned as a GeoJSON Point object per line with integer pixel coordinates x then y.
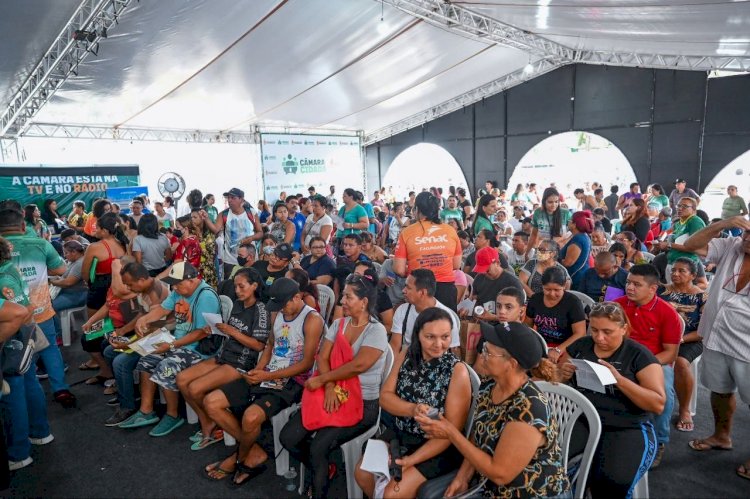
{"type": "Point", "coordinates": [398, 322]}
{"type": "Point", "coordinates": [313, 227]}
{"type": "Point", "coordinates": [236, 228]}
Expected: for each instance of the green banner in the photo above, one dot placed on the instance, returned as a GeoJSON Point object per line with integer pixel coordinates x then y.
{"type": "Point", "coordinates": [64, 184]}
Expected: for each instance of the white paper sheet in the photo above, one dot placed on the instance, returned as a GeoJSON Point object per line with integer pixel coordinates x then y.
{"type": "Point", "coordinates": [375, 461]}
{"type": "Point", "coordinates": [212, 320]}
{"type": "Point", "coordinates": [148, 344]}
{"type": "Point", "coordinates": [467, 305]}
{"type": "Point", "coordinates": [592, 376]}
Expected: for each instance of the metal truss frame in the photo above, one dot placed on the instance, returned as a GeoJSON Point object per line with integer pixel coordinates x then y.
{"type": "Point", "coordinates": [468, 23]}
{"type": "Point", "coordinates": [664, 61]}
{"type": "Point", "coordinates": [252, 136]}
{"type": "Point", "coordinates": [535, 69]}
{"type": "Point", "coordinates": [60, 60]}
{"type": "Point", "coordinates": [49, 130]}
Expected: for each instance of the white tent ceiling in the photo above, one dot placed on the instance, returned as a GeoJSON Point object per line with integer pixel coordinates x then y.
{"type": "Point", "coordinates": [232, 64]}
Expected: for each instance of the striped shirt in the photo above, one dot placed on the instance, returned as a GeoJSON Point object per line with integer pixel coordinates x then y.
{"type": "Point", "coordinates": [724, 324]}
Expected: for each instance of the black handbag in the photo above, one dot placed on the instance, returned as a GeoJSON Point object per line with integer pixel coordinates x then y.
{"type": "Point", "coordinates": [211, 344]}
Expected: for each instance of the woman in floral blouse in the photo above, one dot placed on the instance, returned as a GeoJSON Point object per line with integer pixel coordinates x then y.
{"type": "Point", "coordinates": [426, 375]}
{"type": "Point", "coordinates": [207, 242]}
{"type": "Point", "coordinates": [514, 442]}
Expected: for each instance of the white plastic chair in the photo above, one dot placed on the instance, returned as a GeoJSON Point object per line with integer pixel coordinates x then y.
{"type": "Point", "coordinates": [567, 405]}
{"type": "Point", "coordinates": [327, 300]}
{"type": "Point", "coordinates": [67, 317]}
{"type": "Point", "coordinates": [585, 299]}
{"type": "Point", "coordinates": [649, 257]}
{"type": "Point", "coordinates": [694, 398]}
{"type": "Point", "coordinates": [226, 307]}
{"type": "Point", "coordinates": [352, 450]}
{"type": "Point", "coordinates": [282, 455]}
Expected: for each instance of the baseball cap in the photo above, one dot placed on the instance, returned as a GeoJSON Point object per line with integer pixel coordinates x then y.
{"type": "Point", "coordinates": [521, 342]}
{"type": "Point", "coordinates": [283, 251]}
{"type": "Point", "coordinates": [179, 272]}
{"type": "Point", "coordinates": [234, 191]}
{"type": "Point", "coordinates": [679, 181]}
{"type": "Point", "coordinates": [282, 290]}
{"type": "Point", "coordinates": [485, 257]}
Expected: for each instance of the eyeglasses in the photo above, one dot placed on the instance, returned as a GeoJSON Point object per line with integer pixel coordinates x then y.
{"type": "Point", "coordinates": [318, 247]}
{"type": "Point", "coordinates": [683, 206]}
{"type": "Point", "coordinates": [486, 353]}
{"type": "Point", "coordinates": [731, 286]}
{"type": "Point", "coordinates": [544, 251]}
{"type": "Point", "coordinates": [357, 278]}
{"type": "Point", "coordinates": [606, 307]}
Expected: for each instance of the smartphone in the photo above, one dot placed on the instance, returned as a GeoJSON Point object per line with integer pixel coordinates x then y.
{"type": "Point", "coordinates": [241, 371]}
{"type": "Point", "coordinates": [433, 413]}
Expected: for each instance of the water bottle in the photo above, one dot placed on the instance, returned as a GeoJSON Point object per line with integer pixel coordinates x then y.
{"type": "Point", "coordinates": [290, 477]}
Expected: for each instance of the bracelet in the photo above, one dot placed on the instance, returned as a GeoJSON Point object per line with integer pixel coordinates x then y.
{"type": "Point", "coordinates": [555, 349]}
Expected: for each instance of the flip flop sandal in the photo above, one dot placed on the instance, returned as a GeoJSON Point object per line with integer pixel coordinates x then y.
{"type": "Point", "coordinates": [216, 468]}
{"type": "Point", "coordinates": [743, 472]}
{"type": "Point", "coordinates": [86, 367]}
{"type": "Point", "coordinates": [701, 445]}
{"type": "Point", "coordinates": [214, 438]}
{"type": "Point", "coordinates": [249, 473]}
{"type": "Point", "coordinates": [97, 380]}
{"type": "Point", "coordinates": [685, 426]}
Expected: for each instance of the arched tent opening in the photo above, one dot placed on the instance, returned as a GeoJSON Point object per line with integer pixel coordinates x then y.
{"type": "Point", "coordinates": [409, 171]}
{"type": "Point", "coordinates": [735, 173]}
{"type": "Point", "coordinates": [571, 160]}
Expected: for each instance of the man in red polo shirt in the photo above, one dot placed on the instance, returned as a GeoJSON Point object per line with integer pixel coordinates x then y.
{"type": "Point", "coordinates": [655, 325]}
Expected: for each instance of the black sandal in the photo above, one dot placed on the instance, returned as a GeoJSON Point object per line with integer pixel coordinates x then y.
{"type": "Point", "coordinates": [250, 473]}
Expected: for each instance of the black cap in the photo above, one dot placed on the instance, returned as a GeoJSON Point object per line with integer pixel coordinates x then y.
{"type": "Point", "coordinates": [234, 191]}
{"type": "Point", "coordinates": [521, 342]}
{"type": "Point", "coordinates": [282, 290]}
{"type": "Point", "coordinates": [283, 251]}
{"type": "Point", "coordinates": [679, 181]}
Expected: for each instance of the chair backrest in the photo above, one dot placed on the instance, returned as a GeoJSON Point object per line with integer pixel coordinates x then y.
{"type": "Point", "coordinates": [682, 324]}
{"type": "Point", "coordinates": [567, 405]}
{"type": "Point", "coordinates": [326, 300]}
{"type": "Point", "coordinates": [226, 307]}
{"type": "Point", "coordinates": [475, 382]}
{"type": "Point", "coordinates": [542, 340]}
{"type": "Point", "coordinates": [586, 300]}
{"type": "Point", "coordinates": [389, 358]}
{"type": "Point", "coordinates": [649, 257]}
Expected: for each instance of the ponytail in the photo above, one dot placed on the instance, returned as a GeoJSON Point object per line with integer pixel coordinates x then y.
{"type": "Point", "coordinates": [428, 206]}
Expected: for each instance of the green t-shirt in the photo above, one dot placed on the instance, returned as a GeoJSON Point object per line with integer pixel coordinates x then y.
{"type": "Point", "coordinates": [12, 286]}
{"type": "Point", "coordinates": [482, 223]}
{"type": "Point", "coordinates": [213, 213]}
{"type": "Point", "coordinates": [679, 229]}
{"type": "Point", "coordinates": [542, 221]}
{"type": "Point", "coordinates": [351, 217]}
{"type": "Point", "coordinates": [732, 207]}
{"type": "Point", "coordinates": [32, 256]}
{"type": "Point", "coordinates": [662, 199]}
{"type": "Point", "coordinates": [448, 214]}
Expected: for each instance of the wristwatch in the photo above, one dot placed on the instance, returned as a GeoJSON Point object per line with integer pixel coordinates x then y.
{"type": "Point", "coordinates": [172, 348]}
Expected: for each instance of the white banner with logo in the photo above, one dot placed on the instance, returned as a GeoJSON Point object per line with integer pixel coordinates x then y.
{"type": "Point", "coordinates": [293, 163]}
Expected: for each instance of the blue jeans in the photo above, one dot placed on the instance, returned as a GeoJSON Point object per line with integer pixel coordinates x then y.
{"type": "Point", "coordinates": [662, 422]}
{"type": "Point", "coordinates": [122, 365]}
{"type": "Point", "coordinates": [65, 300]}
{"type": "Point", "coordinates": [25, 415]}
{"type": "Point", "coordinates": [52, 358]}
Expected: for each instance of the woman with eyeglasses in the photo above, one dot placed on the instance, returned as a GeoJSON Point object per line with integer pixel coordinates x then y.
{"type": "Point", "coordinates": [530, 274]}
{"type": "Point", "coordinates": [515, 440]}
{"type": "Point", "coordinates": [425, 376]}
{"type": "Point", "coordinates": [688, 299]}
{"type": "Point", "coordinates": [367, 341]}
{"type": "Point", "coordinates": [318, 265]}
{"type": "Point", "coordinates": [550, 221]}
{"type": "Point", "coordinates": [556, 314]}
{"type": "Point", "coordinates": [687, 224]}
{"type": "Point", "coordinates": [627, 446]}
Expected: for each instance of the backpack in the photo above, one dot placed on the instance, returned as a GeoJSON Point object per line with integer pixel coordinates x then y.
{"type": "Point", "coordinates": [211, 344]}
{"type": "Point", "coordinates": [18, 351]}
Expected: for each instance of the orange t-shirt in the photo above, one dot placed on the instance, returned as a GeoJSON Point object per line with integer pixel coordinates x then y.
{"type": "Point", "coordinates": [90, 227]}
{"type": "Point", "coordinates": [425, 245]}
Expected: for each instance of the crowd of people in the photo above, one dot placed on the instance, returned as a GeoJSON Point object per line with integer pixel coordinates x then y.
{"type": "Point", "coordinates": [314, 294]}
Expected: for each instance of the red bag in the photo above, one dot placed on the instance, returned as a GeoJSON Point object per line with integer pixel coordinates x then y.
{"type": "Point", "coordinates": [351, 410]}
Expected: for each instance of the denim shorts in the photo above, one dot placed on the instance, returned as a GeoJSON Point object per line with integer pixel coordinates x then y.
{"type": "Point", "coordinates": [164, 368]}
